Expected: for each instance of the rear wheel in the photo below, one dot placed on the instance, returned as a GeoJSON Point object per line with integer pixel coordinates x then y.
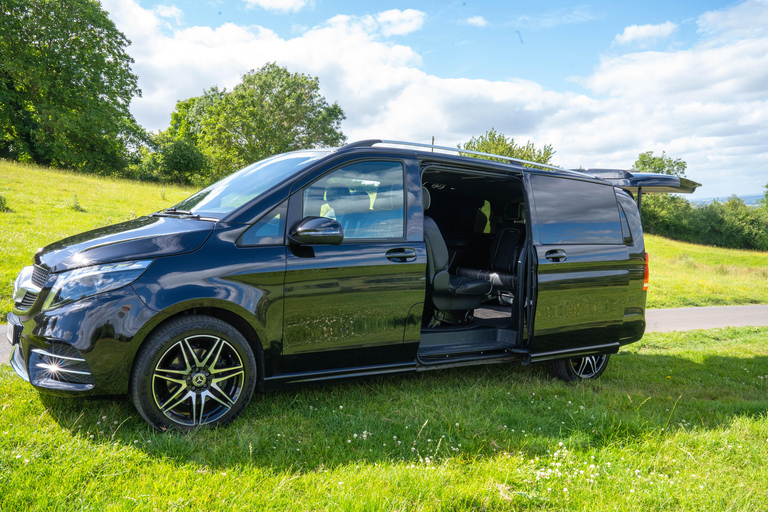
{"type": "Point", "coordinates": [578, 368]}
{"type": "Point", "coordinates": [195, 371]}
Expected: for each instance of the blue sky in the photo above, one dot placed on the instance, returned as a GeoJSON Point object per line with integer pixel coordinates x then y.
{"type": "Point", "coordinates": [547, 42]}
{"type": "Point", "coordinates": [600, 81]}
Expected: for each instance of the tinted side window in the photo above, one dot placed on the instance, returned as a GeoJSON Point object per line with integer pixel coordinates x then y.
{"type": "Point", "coordinates": [365, 197]}
{"type": "Point", "coordinates": [629, 207]}
{"type": "Point", "coordinates": [269, 230]}
{"type": "Point", "coordinates": [625, 231]}
{"type": "Point", "coordinates": [570, 211]}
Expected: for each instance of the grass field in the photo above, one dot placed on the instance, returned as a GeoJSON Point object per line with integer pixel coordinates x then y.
{"type": "Point", "coordinates": [677, 422]}
{"type": "Point", "coordinates": [685, 275]}
{"type": "Point", "coordinates": [47, 205]}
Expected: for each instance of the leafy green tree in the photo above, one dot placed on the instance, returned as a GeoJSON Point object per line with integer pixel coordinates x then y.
{"type": "Point", "coordinates": [189, 116]}
{"type": "Point", "coordinates": [182, 162]}
{"type": "Point", "coordinates": [662, 164]}
{"type": "Point", "coordinates": [498, 144]}
{"type": "Point", "coordinates": [664, 214]}
{"type": "Point", "coordinates": [65, 86]}
{"type": "Point", "coordinates": [270, 111]}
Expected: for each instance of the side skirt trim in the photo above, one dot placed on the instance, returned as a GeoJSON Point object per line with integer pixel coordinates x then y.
{"type": "Point", "coordinates": [344, 373]}
{"type": "Point", "coordinates": [609, 348]}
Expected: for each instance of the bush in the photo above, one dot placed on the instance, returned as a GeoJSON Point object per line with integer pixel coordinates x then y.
{"type": "Point", "coordinates": [146, 167]}
{"type": "Point", "coordinates": [4, 205]}
{"type": "Point", "coordinates": [182, 162]}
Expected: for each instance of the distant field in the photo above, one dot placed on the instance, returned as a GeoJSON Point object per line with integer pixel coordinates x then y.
{"type": "Point", "coordinates": [48, 205]}
{"type": "Point", "coordinates": [677, 422]}
{"type": "Point", "coordinates": [685, 275]}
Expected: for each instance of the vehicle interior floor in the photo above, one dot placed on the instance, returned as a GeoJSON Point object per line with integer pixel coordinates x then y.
{"type": "Point", "coordinates": [490, 333]}
{"type": "Point", "coordinates": [494, 316]}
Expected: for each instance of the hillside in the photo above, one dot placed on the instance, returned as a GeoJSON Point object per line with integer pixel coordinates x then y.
{"type": "Point", "coordinates": [47, 205]}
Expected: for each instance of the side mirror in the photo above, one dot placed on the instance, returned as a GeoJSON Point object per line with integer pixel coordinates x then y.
{"type": "Point", "coordinates": [316, 230]}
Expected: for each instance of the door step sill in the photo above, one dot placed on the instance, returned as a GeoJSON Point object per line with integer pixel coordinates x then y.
{"type": "Point", "coordinates": [462, 345]}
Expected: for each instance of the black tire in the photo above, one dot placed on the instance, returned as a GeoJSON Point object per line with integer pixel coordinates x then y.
{"type": "Point", "coordinates": [194, 371]}
{"type": "Point", "coordinates": [578, 368]}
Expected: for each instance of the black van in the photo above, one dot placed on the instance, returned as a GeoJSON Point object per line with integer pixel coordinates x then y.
{"type": "Point", "coordinates": [374, 258]}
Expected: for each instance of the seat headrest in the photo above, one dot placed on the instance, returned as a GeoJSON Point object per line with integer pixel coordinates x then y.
{"type": "Point", "coordinates": [426, 199]}
{"type": "Point", "coordinates": [521, 213]}
{"type": "Point", "coordinates": [337, 193]}
{"type": "Point", "coordinates": [512, 211]}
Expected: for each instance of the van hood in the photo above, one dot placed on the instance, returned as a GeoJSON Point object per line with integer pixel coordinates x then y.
{"type": "Point", "coordinates": [145, 237]}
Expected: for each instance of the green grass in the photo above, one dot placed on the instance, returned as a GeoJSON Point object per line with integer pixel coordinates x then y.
{"type": "Point", "coordinates": [684, 274]}
{"type": "Point", "coordinates": [46, 205]}
{"type": "Point", "coordinates": [677, 422]}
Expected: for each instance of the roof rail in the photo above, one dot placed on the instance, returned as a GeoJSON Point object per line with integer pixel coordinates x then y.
{"type": "Point", "coordinates": [371, 142]}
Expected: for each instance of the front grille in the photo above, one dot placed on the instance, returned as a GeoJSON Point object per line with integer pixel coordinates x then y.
{"type": "Point", "coordinates": [31, 287]}
{"type": "Point", "coordinates": [27, 301]}
{"type": "Point", "coordinates": [39, 276]}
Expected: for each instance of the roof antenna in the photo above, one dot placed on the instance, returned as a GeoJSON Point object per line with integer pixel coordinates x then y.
{"type": "Point", "coordinates": [433, 143]}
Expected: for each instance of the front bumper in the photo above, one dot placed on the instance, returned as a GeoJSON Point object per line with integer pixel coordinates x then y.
{"type": "Point", "coordinates": [83, 348]}
{"type": "Point", "coordinates": [58, 367]}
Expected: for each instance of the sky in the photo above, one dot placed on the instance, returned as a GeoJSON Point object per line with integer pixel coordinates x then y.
{"type": "Point", "coordinates": [601, 82]}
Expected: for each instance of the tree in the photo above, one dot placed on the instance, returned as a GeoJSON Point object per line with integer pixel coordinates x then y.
{"type": "Point", "coordinates": [662, 164]}
{"type": "Point", "coordinates": [181, 161]}
{"type": "Point", "coordinates": [764, 201]}
{"type": "Point", "coordinates": [498, 144]}
{"type": "Point", "coordinates": [65, 86]}
{"type": "Point", "coordinates": [664, 214]}
{"type": "Point", "coordinates": [188, 118]}
{"type": "Point", "coordinates": [271, 111]}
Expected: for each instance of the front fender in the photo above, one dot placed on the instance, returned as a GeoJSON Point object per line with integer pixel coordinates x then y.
{"type": "Point", "coordinates": [244, 281]}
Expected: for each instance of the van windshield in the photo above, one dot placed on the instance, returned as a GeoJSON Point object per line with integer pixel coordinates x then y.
{"type": "Point", "coordinates": [238, 188]}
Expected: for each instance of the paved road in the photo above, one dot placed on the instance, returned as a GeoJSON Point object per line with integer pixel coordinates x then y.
{"type": "Point", "coordinates": [688, 319]}
{"type": "Point", "coordinates": [658, 320]}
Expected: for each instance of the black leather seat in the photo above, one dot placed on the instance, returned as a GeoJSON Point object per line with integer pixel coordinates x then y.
{"type": "Point", "coordinates": [445, 291]}
{"type": "Point", "coordinates": [505, 251]}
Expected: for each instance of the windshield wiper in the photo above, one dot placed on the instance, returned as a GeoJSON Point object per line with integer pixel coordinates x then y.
{"type": "Point", "coordinates": [182, 214]}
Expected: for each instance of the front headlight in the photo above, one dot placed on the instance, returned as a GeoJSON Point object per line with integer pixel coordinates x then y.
{"type": "Point", "coordinates": [84, 282]}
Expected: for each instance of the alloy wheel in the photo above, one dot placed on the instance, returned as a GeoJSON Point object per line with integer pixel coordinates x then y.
{"type": "Point", "coordinates": [198, 380]}
{"type": "Point", "coordinates": [587, 367]}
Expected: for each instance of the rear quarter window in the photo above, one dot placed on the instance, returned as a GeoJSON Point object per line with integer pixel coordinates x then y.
{"type": "Point", "coordinates": [629, 207]}
{"type": "Point", "coordinates": [571, 211]}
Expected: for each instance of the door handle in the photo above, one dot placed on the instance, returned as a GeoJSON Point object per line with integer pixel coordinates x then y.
{"type": "Point", "coordinates": [556, 255]}
{"type": "Point", "coordinates": [401, 254]}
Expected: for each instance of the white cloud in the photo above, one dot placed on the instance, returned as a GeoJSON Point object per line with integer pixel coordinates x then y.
{"type": "Point", "coordinates": [278, 5]}
{"type": "Point", "coordinates": [706, 104]}
{"type": "Point", "coordinates": [399, 23]}
{"type": "Point", "coordinates": [644, 34]}
{"type": "Point", "coordinates": [748, 19]}
{"type": "Point", "coordinates": [477, 21]}
{"type": "Point", "coordinates": [170, 11]}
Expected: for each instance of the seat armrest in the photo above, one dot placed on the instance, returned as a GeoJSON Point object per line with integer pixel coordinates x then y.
{"type": "Point", "coordinates": [441, 281]}
{"type": "Point", "coordinates": [468, 286]}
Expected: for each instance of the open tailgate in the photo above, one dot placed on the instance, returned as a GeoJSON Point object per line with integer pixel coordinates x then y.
{"type": "Point", "coordinates": [645, 182]}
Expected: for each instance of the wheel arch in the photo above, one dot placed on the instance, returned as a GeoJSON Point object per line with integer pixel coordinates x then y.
{"type": "Point", "coordinates": [225, 314]}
